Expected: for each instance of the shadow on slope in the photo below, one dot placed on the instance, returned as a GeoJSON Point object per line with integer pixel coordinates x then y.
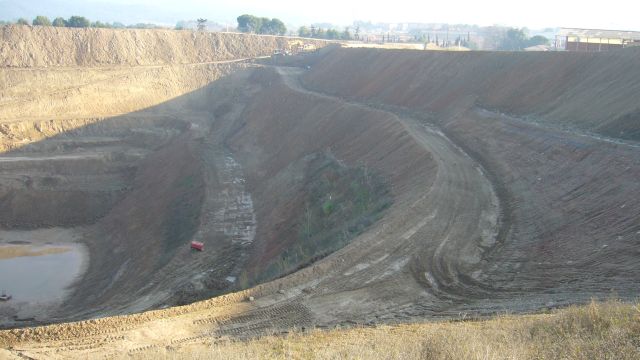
{"type": "Point", "coordinates": [162, 171]}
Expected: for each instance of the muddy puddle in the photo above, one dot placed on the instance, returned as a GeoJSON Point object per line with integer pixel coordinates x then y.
{"type": "Point", "coordinates": [37, 273]}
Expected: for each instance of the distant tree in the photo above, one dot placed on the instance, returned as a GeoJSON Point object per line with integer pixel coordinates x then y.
{"type": "Point", "coordinates": [513, 40]}
{"type": "Point", "coordinates": [144, 26]}
{"type": "Point", "coordinates": [266, 27]}
{"type": "Point", "coordinates": [202, 24]}
{"type": "Point", "coordinates": [472, 45]}
{"type": "Point", "coordinates": [22, 21]}
{"type": "Point", "coordinates": [273, 27]}
{"type": "Point", "coordinates": [59, 22]}
{"type": "Point", "coordinates": [261, 25]}
{"type": "Point", "coordinates": [41, 21]}
{"type": "Point", "coordinates": [100, 24]}
{"type": "Point", "coordinates": [248, 23]}
{"type": "Point", "coordinates": [346, 34]}
{"type": "Point", "coordinates": [357, 33]}
{"type": "Point", "coordinates": [320, 33]}
{"type": "Point", "coordinates": [118, 25]}
{"type": "Point", "coordinates": [537, 40]}
{"type": "Point", "coordinates": [78, 22]}
{"type": "Point", "coordinates": [304, 31]}
{"type": "Point", "coordinates": [332, 34]}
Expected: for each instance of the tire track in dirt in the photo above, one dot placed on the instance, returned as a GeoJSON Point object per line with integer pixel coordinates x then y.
{"type": "Point", "coordinates": [461, 208]}
{"type": "Point", "coordinates": [270, 319]}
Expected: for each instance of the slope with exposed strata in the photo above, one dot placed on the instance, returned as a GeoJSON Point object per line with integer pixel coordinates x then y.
{"type": "Point", "coordinates": [107, 136]}
{"type": "Point", "coordinates": [45, 46]}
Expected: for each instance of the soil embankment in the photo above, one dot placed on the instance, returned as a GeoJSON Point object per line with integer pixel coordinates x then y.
{"type": "Point", "coordinates": [591, 92]}
{"type": "Point", "coordinates": [45, 46]}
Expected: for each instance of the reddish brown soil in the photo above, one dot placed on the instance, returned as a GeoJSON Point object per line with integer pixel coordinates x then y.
{"type": "Point", "coordinates": [353, 135]}
{"type": "Point", "coordinates": [590, 92]}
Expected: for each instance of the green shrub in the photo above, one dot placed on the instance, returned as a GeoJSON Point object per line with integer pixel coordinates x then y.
{"type": "Point", "coordinates": [41, 21]}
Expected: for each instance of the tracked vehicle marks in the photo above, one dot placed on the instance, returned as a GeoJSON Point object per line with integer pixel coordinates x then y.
{"type": "Point", "coordinates": [268, 320]}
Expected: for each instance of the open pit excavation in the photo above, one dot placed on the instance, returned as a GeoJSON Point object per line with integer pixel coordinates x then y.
{"type": "Point", "coordinates": [360, 186]}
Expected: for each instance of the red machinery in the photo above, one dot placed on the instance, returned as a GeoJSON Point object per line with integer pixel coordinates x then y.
{"type": "Point", "coordinates": [197, 245]}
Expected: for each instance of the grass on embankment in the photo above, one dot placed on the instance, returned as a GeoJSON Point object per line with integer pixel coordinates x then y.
{"type": "Point", "coordinates": [609, 330]}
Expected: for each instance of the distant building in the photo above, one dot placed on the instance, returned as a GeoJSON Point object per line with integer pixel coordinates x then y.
{"type": "Point", "coordinates": [592, 40]}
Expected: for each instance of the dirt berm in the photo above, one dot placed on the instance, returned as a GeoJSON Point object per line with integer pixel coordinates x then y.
{"type": "Point", "coordinates": [45, 46]}
{"type": "Point", "coordinates": [377, 187]}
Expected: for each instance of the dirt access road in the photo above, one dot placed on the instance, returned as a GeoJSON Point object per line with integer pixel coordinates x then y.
{"type": "Point", "coordinates": [416, 261]}
{"type": "Point", "coordinates": [438, 238]}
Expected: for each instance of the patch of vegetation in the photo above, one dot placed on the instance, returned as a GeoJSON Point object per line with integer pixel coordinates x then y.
{"type": "Point", "coordinates": [600, 330]}
{"type": "Point", "coordinates": [329, 34]}
{"type": "Point", "coordinates": [517, 39]}
{"type": "Point", "coordinates": [78, 22]}
{"type": "Point", "coordinates": [41, 21]}
{"type": "Point", "coordinates": [260, 25]}
{"type": "Point", "coordinates": [59, 22]}
{"type": "Point", "coordinates": [340, 203]}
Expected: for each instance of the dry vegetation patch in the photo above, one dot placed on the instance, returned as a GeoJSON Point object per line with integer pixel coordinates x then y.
{"type": "Point", "coordinates": [608, 330]}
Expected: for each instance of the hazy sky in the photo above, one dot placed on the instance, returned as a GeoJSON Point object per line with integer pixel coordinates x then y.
{"type": "Point", "coordinates": [542, 13]}
{"type": "Point", "coordinates": [614, 14]}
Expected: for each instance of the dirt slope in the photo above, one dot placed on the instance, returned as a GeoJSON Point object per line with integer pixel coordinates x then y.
{"type": "Point", "coordinates": [592, 92]}
{"type": "Point", "coordinates": [42, 46]}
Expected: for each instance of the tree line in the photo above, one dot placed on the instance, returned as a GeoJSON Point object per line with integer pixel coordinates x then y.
{"type": "Point", "coordinates": [517, 39]}
{"type": "Point", "coordinates": [330, 34]}
{"type": "Point", "coordinates": [77, 22]}
{"type": "Point", "coordinates": [260, 25]}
